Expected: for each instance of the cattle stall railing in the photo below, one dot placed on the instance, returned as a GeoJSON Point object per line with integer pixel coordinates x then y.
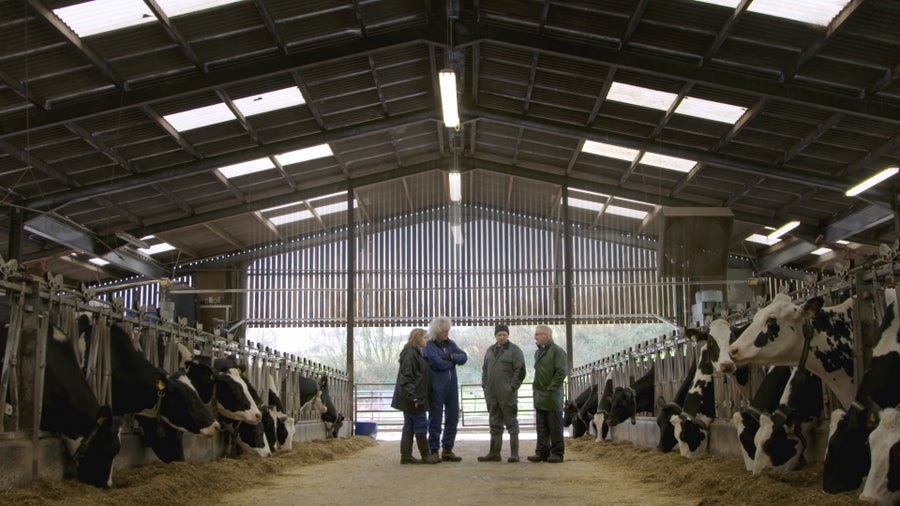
{"type": "Point", "coordinates": [373, 404]}
{"type": "Point", "coordinates": [153, 334]}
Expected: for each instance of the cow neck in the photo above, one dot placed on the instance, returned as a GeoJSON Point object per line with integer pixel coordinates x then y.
{"type": "Point", "coordinates": [86, 442]}
{"type": "Point", "coordinates": [754, 413]}
{"type": "Point", "coordinates": [633, 404]}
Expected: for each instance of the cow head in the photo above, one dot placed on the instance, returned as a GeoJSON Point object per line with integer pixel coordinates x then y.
{"type": "Point", "coordinates": [234, 399]}
{"type": "Point", "coordinates": [775, 334]}
{"type": "Point", "coordinates": [604, 401]}
{"type": "Point", "coordinates": [93, 454]}
{"type": "Point", "coordinates": [250, 437]}
{"type": "Point", "coordinates": [779, 444]}
{"type": "Point", "coordinates": [883, 481]}
{"type": "Point", "coordinates": [692, 434]}
{"type": "Point", "coordinates": [180, 405]}
{"type": "Point", "coordinates": [622, 406]}
{"type": "Point", "coordinates": [332, 418]}
{"type": "Point", "coordinates": [847, 456]}
{"type": "Point", "coordinates": [747, 424]}
{"type": "Point", "coordinates": [667, 439]}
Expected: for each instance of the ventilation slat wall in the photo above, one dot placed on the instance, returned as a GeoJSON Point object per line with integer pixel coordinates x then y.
{"type": "Point", "coordinates": [412, 270]}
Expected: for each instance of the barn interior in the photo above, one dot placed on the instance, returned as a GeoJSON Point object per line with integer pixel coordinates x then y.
{"type": "Point", "coordinates": [702, 148]}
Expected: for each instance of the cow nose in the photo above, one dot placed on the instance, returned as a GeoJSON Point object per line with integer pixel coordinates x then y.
{"type": "Point", "coordinates": [726, 367]}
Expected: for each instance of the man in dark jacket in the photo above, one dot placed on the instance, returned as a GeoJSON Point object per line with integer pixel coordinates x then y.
{"type": "Point", "coordinates": [501, 377]}
{"type": "Point", "coordinates": [443, 356]}
{"type": "Point", "coordinates": [550, 370]}
{"type": "Point", "coordinates": [411, 396]}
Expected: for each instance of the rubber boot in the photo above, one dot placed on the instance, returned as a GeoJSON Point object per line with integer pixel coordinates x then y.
{"type": "Point", "coordinates": [427, 456]}
{"type": "Point", "coordinates": [406, 456]}
{"type": "Point", "coordinates": [513, 448]}
{"type": "Point", "coordinates": [494, 453]}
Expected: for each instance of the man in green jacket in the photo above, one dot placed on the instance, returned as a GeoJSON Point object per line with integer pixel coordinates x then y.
{"type": "Point", "coordinates": [501, 377]}
{"type": "Point", "coordinates": [550, 371]}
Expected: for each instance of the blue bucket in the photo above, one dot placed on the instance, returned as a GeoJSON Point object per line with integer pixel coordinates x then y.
{"type": "Point", "coordinates": [367, 429]}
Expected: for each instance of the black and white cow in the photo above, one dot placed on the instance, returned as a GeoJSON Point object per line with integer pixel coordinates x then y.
{"type": "Point", "coordinates": [847, 457]}
{"type": "Point", "coordinates": [667, 410]}
{"type": "Point", "coordinates": [315, 393]}
{"type": "Point", "coordinates": [883, 481]}
{"type": "Point", "coordinates": [579, 412]}
{"type": "Point", "coordinates": [89, 431]}
{"type": "Point", "coordinates": [781, 441]}
{"type": "Point", "coordinates": [604, 402]}
{"type": "Point", "coordinates": [691, 425]}
{"type": "Point", "coordinates": [141, 388]}
{"type": "Point", "coordinates": [632, 399]}
{"type": "Point", "coordinates": [765, 400]}
{"type": "Point", "coordinates": [775, 336]}
{"type": "Point", "coordinates": [223, 386]}
{"type": "Point", "coordinates": [284, 425]}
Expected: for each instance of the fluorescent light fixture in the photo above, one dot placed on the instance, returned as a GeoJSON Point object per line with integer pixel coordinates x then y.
{"type": "Point", "coordinates": [244, 168]}
{"type": "Point", "coordinates": [157, 248]}
{"type": "Point", "coordinates": [787, 227]}
{"type": "Point", "coordinates": [626, 212]}
{"type": "Point", "coordinates": [200, 117]}
{"type": "Point", "coordinates": [644, 97]}
{"type": "Point", "coordinates": [708, 109]}
{"type": "Point", "coordinates": [668, 162]}
{"type": "Point", "coordinates": [816, 12]}
{"type": "Point", "coordinates": [179, 7]}
{"type": "Point", "coordinates": [586, 204]}
{"type": "Point", "coordinates": [455, 181]}
{"type": "Point", "coordinates": [821, 251]}
{"type": "Point", "coordinates": [841, 241]}
{"type": "Point", "coordinates": [456, 230]}
{"type": "Point", "coordinates": [304, 155]}
{"type": "Point", "coordinates": [99, 16]}
{"type": "Point", "coordinates": [608, 150]}
{"type": "Point", "coordinates": [270, 101]}
{"type": "Point", "coordinates": [447, 80]}
{"type": "Point", "coordinates": [761, 239]}
{"type": "Point", "coordinates": [872, 181]}
{"type": "Point", "coordinates": [98, 261]}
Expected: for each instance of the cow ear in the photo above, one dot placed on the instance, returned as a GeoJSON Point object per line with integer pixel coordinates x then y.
{"type": "Point", "coordinates": [813, 306]}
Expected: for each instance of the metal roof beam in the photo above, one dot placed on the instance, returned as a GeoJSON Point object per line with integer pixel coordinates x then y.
{"type": "Point", "coordinates": [474, 33]}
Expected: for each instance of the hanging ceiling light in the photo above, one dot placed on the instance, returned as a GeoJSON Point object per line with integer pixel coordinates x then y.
{"type": "Point", "coordinates": [872, 181]}
{"type": "Point", "coordinates": [455, 186]}
{"type": "Point", "coordinates": [447, 80]}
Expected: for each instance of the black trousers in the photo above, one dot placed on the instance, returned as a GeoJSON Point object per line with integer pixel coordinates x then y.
{"type": "Point", "coordinates": [549, 433]}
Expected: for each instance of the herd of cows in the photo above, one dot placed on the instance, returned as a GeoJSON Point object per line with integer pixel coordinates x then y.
{"type": "Point", "coordinates": [204, 396]}
{"type": "Point", "coordinates": [801, 348]}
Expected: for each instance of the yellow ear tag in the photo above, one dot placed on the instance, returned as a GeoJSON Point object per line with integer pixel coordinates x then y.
{"type": "Point", "coordinates": [160, 385]}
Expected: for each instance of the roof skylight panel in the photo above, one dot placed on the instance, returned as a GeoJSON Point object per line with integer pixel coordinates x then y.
{"type": "Point", "coordinates": [305, 154]}
{"type": "Point", "coordinates": [291, 217]}
{"type": "Point", "coordinates": [608, 150]}
{"type": "Point", "coordinates": [157, 248]}
{"type": "Point", "coordinates": [244, 168]}
{"type": "Point", "coordinates": [99, 16]}
{"type": "Point", "coordinates": [179, 7]}
{"type": "Point", "coordinates": [816, 12]}
{"type": "Point", "coordinates": [626, 212]}
{"type": "Point", "coordinates": [668, 162]}
{"type": "Point", "coordinates": [643, 97]}
{"type": "Point", "coordinates": [200, 117]}
{"type": "Point", "coordinates": [270, 101]}
{"type": "Point", "coordinates": [708, 109]}
{"type": "Point", "coordinates": [586, 204]}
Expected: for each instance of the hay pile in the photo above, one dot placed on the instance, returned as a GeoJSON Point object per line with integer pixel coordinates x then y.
{"type": "Point", "coordinates": [187, 483]}
{"type": "Point", "coordinates": [713, 480]}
